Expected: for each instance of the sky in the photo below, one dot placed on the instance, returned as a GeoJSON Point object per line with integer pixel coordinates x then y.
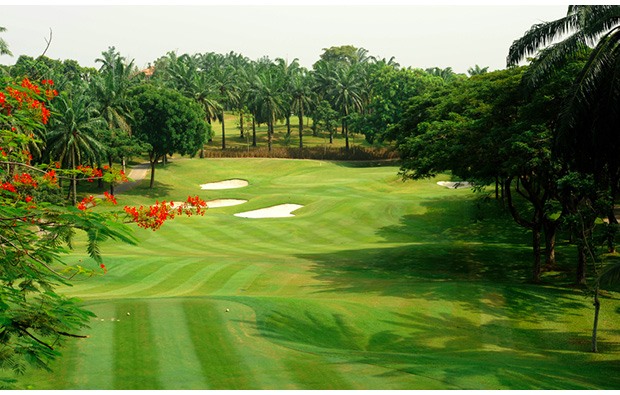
{"type": "Point", "coordinates": [419, 36]}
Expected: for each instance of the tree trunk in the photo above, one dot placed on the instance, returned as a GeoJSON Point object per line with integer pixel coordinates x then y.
{"type": "Point", "coordinates": [536, 274]}
{"type": "Point", "coordinates": [241, 123]}
{"type": "Point", "coordinates": [223, 132]}
{"type": "Point", "coordinates": [288, 125]}
{"type": "Point", "coordinates": [301, 126]}
{"type": "Point", "coordinates": [253, 132]}
{"type": "Point", "coordinates": [550, 231]}
{"type": "Point", "coordinates": [269, 132]}
{"type": "Point", "coordinates": [581, 264]}
{"type": "Point", "coordinates": [597, 307]}
{"type": "Point", "coordinates": [496, 188]}
{"type": "Point", "coordinates": [153, 160]}
{"type": "Point", "coordinates": [73, 179]}
{"type": "Point", "coordinates": [111, 182]}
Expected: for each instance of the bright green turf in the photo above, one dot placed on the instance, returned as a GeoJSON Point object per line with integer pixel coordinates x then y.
{"type": "Point", "coordinates": [374, 284]}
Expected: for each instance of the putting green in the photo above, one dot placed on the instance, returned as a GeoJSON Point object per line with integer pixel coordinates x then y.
{"type": "Point", "coordinates": [374, 284]}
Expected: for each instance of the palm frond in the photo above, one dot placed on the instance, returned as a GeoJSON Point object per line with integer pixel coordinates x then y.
{"type": "Point", "coordinates": [539, 36]}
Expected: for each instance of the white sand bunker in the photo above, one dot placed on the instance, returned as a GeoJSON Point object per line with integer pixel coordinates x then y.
{"type": "Point", "coordinates": [279, 211]}
{"type": "Point", "coordinates": [214, 203]}
{"type": "Point", "coordinates": [228, 184]}
{"type": "Point", "coordinates": [224, 202]}
{"type": "Point", "coordinates": [455, 185]}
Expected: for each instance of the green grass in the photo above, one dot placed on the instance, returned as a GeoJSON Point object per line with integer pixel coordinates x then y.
{"type": "Point", "coordinates": [374, 284]}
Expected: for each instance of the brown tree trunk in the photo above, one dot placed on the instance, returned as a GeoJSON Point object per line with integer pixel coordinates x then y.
{"type": "Point", "coordinates": [73, 179]}
{"type": "Point", "coordinates": [153, 160]}
{"type": "Point", "coordinates": [597, 307]}
{"type": "Point", "coordinates": [581, 264]}
{"type": "Point", "coordinates": [241, 123]}
{"type": "Point", "coordinates": [301, 126]}
{"type": "Point", "coordinates": [111, 182]}
{"type": "Point", "coordinates": [536, 274]}
{"type": "Point", "coordinates": [269, 133]}
{"type": "Point", "coordinates": [253, 132]}
{"type": "Point", "coordinates": [550, 231]}
{"type": "Point", "coordinates": [223, 132]}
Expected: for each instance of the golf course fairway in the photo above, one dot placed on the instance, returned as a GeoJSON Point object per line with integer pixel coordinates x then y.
{"type": "Point", "coordinates": [373, 284]}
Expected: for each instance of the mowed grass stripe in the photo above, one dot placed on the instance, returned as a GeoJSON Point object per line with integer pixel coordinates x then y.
{"type": "Point", "coordinates": [159, 275]}
{"type": "Point", "coordinates": [119, 272]}
{"type": "Point", "coordinates": [241, 280]}
{"type": "Point", "coordinates": [222, 367]}
{"type": "Point", "coordinates": [192, 285]}
{"type": "Point", "coordinates": [136, 360]}
{"type": "Point", "coordinates": [94, 368]}
{"type": "Point", "coordinates": [219, 279]}
{"type": "Point", "coordinates": [175, 279]}
{"type": "Point", "coordinates": [179, 366]}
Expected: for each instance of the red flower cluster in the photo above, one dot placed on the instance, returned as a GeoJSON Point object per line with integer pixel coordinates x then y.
{"type": "Point", "coordinates": [51, 177]}
{"type": "Point", "coordinates": [83, 205]}
{"type": "Point", "coordinates": [110, 198]}
{"type": "Point", "coordinates": [154, 216]}
{"type": "Point", "coordinates": [22, 98]}
{"type": "Point", "coordinates": [7, 186]}
{"type": "Point", "coordinates": [91, 172]}
{"type": "Point", "coordinates": [24, 180]}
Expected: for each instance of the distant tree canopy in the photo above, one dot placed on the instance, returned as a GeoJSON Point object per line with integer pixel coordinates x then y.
{"type": "Point", "coordinates": [343, 53]}
{"type": "Point", "coordinates": [167, 121]}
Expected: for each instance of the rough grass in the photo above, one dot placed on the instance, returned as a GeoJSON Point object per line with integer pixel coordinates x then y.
{"type": "Point", "coordinates": [374, 284]}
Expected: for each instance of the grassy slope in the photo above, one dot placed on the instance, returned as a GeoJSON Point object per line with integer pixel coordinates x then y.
{"type": "Point", "coordinates": [375, 284]}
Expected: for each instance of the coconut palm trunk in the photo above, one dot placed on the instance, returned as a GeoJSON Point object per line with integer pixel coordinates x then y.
{"type": "Point", "coordinates": [223, 132]}
{"type": "Point", "coordinates": [301, 124]}
{"type": "Point", "coordinates": [73, 178]}
{"type": "Point", "coordinates": [241, 124]}
{"type": "Point", "coordinates": [269, 133]}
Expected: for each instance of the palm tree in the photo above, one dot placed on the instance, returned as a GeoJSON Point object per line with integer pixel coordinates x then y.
{"type": "Point", "coordinates": [477, 70]}
{"type": "Point", "coordinates": [109, 89]}
{"type": "Point", "coordinates": [286, 71]}
{"type": "Point", "coordinates": [72, 133]}
{"type": "Point", "coordinates": [266, 94]}
{"type": "Point", "coordinates": [345, 95]}
{"type": "Point", "coordinates": [224, 81]}
{"type": "Point", "coordinates": [299, 89]}
{"type": "Point", "coordinates": [4, 47]}
{"type": "Point", "coordinates": [185, 77]}
{"type": "Point", "coordinates": [446, 74]}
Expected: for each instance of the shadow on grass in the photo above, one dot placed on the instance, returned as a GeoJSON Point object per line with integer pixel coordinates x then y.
{"type": "Point", "coordinates": [395, 163]}
{"type": "Point", "coordinates": [459, 250]}
{"type": "Point", "coordinates": [453, 350]}
{"type": "Point", "coordinates": [159, 189]}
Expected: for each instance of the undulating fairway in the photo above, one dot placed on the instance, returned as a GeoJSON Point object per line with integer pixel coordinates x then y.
{"type": "Point", "coordinates": [373, 284]}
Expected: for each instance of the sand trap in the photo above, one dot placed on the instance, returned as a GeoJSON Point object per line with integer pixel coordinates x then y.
{"type": "Point", "coordinates": [214, 203]}
{"type": "Point", "coordinates": [228, 184]}
{"type": "Point", "coordinates": [224, 202]}
{"type": "Point", "coordinates": [279, 211]}
{"type": "Point", "coordinates": [455, 185]}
